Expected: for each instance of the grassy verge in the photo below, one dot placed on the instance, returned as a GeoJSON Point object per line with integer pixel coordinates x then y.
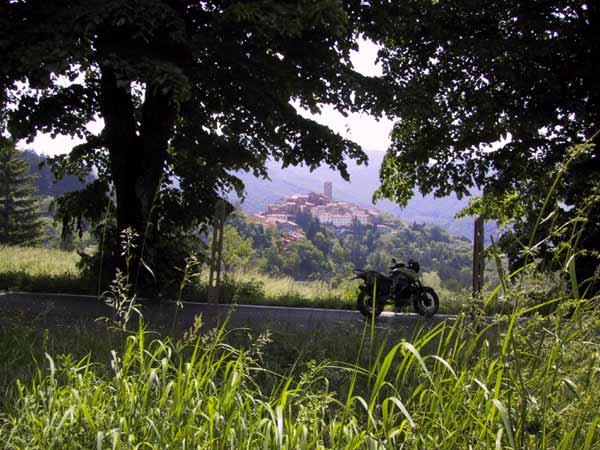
{"type": "Point", "coordinates": [260, 289]}
{"type": "Point", "coordinates": [42, 270]}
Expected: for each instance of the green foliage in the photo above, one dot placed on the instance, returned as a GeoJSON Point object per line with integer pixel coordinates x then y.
{"type": "Point", "coordinates": [380, 261]}
{"type": "Point", "coordinates": [20, 218]}
{"type": "Point", "coordinates": [504, 208]}
{"type": "Point", "coordinates": [67, 231]}
{"type": "Point", "coordinates": [338, 254]}
{"type": "Point", "coordinates": [303, 260]}
{"type": "Point", "coordinates": [271, 262]}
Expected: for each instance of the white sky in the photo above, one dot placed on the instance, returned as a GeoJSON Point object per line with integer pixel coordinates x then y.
{"type": "Point", "coordinates": [363, 129]}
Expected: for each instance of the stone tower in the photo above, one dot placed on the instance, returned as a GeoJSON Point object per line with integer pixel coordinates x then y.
{"type": "Point", "coordinates": [328, 190]}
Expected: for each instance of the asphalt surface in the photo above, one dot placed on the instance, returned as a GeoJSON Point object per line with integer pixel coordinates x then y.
{"type": "Point", "coordinates": [52, 309]}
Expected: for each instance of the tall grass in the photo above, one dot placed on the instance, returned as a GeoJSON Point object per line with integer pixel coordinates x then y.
{"type": "Point", "coordinates": [508, 384]}
{"type": "Point", "coordinates": [285, 291]}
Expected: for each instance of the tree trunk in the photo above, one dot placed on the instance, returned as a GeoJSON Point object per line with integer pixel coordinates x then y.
{"type": "Point", "coordinates": [137, 156]}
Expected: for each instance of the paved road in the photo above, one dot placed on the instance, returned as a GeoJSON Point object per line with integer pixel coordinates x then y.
{"type": "Point", "coordinates": [48, 309]}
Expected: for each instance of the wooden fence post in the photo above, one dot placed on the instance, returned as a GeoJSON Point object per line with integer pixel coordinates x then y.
{"type": "Point", "coordinates": [216, 254]}
{"type": "Point", "coordinates": [478, 262]}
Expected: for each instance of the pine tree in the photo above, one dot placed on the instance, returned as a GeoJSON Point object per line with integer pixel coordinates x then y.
{"type": "Point", "coordinates": [20, 220]}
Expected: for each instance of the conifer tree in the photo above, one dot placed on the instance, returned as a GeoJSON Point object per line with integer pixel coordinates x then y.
{"type": "Point", "coordinates": [20, 221]}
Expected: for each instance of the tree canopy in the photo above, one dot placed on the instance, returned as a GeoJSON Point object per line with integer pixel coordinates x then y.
{"type": "Point", "coordinates": [464, 76]}
{"type": "Point", "coordinates": [188, 92]}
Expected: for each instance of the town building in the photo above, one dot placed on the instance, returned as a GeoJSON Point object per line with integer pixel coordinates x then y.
{"type": "Point", "coordinates": [320, 206]}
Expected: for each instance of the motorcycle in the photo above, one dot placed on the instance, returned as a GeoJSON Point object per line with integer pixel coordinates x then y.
{"type": "Point", "coordinates": [402, 287]}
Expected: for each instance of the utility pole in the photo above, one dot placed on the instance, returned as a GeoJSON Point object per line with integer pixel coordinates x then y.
{"type": "Point", "coordinates": [478, 263]}
{"type": "Point", "coordinates": [216, 254]}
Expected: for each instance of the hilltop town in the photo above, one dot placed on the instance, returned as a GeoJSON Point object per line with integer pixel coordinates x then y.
{"type": "Point", "coordinates": [321, 206]}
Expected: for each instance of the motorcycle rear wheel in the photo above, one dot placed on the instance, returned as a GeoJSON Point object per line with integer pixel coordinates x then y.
{"type": "Point", "coordinates": [426, 302]}
{"type": "Point", "coordinates": [364, 302]}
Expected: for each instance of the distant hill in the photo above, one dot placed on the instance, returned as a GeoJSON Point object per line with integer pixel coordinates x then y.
{"type": "Point", "coordinates": [364, 180]}
{"type": "Point", "coordinates": [45, 181]}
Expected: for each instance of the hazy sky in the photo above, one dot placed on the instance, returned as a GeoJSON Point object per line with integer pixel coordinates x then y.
{"type": "Point", "coordinates": [361, 128]}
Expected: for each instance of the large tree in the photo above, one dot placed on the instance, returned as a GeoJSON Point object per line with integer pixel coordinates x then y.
{"type": "Point", "coordinates": [188, 90]}
{"type": "Point", "coordinates": [464, 75]}
{"type": "Point", "coordinates": [20, 217]}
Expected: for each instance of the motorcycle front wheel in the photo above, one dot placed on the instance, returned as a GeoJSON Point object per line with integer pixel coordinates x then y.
{"type": "Point", "coordinates": [426, 302]}
{"type": "Point", "coordinates": [365, 304]}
